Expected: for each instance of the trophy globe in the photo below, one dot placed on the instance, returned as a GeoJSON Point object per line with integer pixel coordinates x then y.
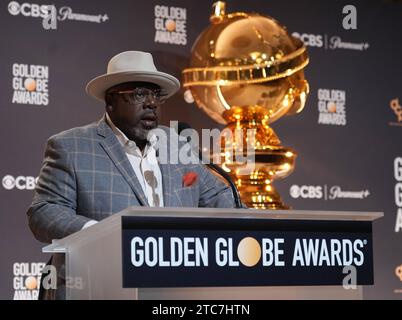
{"type": "Point", "coordinates": [246, 72]}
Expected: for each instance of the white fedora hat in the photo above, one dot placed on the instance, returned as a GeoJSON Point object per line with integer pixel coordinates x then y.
{"type": "Point", "coordinates": [131, 66]}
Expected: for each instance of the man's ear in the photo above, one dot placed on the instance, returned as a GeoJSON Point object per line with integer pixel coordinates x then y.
{"type": "Point", "coordinates": [109, 107]}
{"type": "Point", "coordinates": [108, 101]}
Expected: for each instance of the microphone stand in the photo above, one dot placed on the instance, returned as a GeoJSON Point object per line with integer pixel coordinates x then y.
{"type": "Point", "coordinates": [182, 126]}
{"type": "Point", "coordinates": [232, 185]}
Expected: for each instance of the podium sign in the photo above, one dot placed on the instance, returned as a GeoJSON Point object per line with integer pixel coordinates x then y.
{"type": "Point", "coordinates": [213, 252]}
{"type": "Point", "coordinates": [209, 253]}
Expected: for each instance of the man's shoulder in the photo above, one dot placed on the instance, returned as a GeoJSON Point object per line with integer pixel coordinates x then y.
{"type": "Point", "coordinates": [76, 138]}
{"type": "Point", "coordinates": [87, 131]}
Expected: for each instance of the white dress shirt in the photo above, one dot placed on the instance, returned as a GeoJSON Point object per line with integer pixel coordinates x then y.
{"type": "Point", "coordinates": [145, 166]}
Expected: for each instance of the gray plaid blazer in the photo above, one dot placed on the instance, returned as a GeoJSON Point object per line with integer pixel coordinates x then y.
{"type": "Point", "coordinates": [86, 175]}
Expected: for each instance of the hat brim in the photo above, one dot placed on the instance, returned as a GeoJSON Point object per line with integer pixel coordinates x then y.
{"type": "Point", "coordinates": [97, 87]}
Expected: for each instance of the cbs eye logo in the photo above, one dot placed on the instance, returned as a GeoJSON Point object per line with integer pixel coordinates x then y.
{"type": "Point", "coordinates": [8, 182]}
{"type": "Point", "coordinates": [14, 8]}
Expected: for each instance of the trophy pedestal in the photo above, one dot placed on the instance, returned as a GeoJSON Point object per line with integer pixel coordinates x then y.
{"type": "Point", "coordinates": [261, 196]}
{"type": "Point", "coordinates": [262, 161]}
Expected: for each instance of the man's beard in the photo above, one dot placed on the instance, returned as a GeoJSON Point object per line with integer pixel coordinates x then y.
{"type": "Point", "coordinates": [140, 134]}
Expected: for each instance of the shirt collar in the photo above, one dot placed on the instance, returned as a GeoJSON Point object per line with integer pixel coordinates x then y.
{"type": "Point", "coordinates": [126, 142]}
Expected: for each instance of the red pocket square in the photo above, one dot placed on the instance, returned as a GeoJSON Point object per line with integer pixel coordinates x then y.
{"type": "Point", "coordinates": [189, 179]}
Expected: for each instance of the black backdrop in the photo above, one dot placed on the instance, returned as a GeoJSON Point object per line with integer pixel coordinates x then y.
{"type": "Point", "coordinates": [362, 155]}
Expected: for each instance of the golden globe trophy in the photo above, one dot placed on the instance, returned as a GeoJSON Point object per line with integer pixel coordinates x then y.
{"type": "Point", "coordinates": [246, 72]}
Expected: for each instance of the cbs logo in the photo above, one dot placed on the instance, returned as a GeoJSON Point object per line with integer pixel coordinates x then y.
{"type": "Point", "coordinates": [28, 9]}
{"type": "Point", "coordinates": [306, 192]}
{"type": "Point", "coordinates": [20, 182]}
{"type": "Point", "coordinates": [311, 40]}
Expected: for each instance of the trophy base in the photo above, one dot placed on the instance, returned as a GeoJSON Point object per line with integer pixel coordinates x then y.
{"type": "Point", "coordinates": [262, 197]}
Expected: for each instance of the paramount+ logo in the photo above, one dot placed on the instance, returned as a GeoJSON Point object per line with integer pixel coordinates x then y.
{"type": "Point", "coordinates": [10, 182]}
{"type": "Point", "coordinates": [249, 252]}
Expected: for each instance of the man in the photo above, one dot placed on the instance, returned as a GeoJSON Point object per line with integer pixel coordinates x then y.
{"type": "Point", "coordinates": [92, 172]}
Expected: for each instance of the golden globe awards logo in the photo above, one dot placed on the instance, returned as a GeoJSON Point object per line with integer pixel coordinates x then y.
{"type": "Point", "coordinates": [30, 84]}
{"type": "Point", "coordinates": [196, 252]}
{"type": "Point", "coordinates": [398, 274]}
{"type": "Point", "coordinates": [397, 109]}
{"type": "Point", "coordinates": [331, 107]}
{"type": "Point", "coordinates": [170, 25]}
{"type": "Point", "coordinates": [26, 280]}
{"type": "Point", "coordinates": [249, 252]}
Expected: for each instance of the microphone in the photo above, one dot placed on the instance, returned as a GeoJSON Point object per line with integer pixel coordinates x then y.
{"type": "Point", "coordinates": [182, 126]}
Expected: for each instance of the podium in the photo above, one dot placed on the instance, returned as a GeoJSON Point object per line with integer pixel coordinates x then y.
{"type": "Point", "coordinates": [231, 254]}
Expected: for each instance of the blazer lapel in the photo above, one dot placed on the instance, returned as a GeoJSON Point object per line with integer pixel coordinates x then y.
{"type": "Point", "coordinates": [114, 150]}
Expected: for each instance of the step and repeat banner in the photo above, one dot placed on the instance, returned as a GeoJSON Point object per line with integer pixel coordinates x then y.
{"type": "Point", "coordinates": [348, 137]}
